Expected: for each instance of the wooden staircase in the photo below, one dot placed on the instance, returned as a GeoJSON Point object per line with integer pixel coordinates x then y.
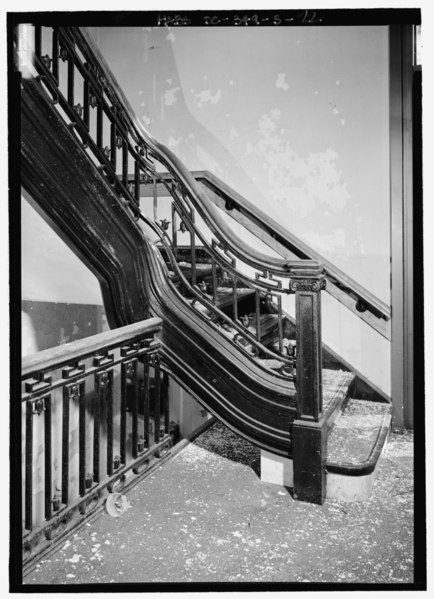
{"type": "Point", "coordinates": [358, 415]}
{"type": "Point", "coordinates": [226, 336]}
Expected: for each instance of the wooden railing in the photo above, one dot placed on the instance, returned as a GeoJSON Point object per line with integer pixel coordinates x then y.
{"type": "Point", "coordinates": [96, 111]}
{"type": "Point", "coordinates": [340, 285]}
{"type": "Point", "coordinates": [95, 419]}
{"type": "Point", "coordinates": [73, 75]}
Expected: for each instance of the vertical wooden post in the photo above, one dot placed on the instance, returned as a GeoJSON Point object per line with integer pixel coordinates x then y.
{"type": "Point", "coordinates": [309, 441]}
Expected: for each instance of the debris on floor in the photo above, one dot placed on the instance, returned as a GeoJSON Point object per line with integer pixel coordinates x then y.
{"type": "Point", "coordinates": [205, 516]}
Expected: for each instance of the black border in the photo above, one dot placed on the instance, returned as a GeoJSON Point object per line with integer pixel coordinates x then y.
{"type": "Point", "coordinates": [321, 17]}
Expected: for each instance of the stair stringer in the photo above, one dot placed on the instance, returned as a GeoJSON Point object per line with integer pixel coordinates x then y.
{"type": "Point", "coordinates": [80, 205]}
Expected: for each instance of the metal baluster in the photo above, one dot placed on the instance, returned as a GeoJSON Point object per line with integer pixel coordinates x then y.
{"type": "Point", "coordinates": [82, 439]}
{"type": "Point", "coordinates": [146, 399]}
{"type": "Point", "coordinates": [155, 199]}
{"type": "Point", "coordinates": [166, 402]}
{"type": "Point", "coordinates": [99, 125]}
{"type": "Point", "coordinates": [193, 257]}
{"type": "Point", "coordinates": [280, 324]}
{"type": "Point", "coordinates": [214, 281]}
{"type": "Point", "coordinates": [113, 148]}
{"type": "Point", "coordinates": [86, 102]}
{"type": "Point", "coordinates": [71, 80]}
{"type": "Point", "coordinates": [134, 406]}
{"type": "Point", "coordinates": [137, 182]}
{"type": "Point", "coordinates": [174, 232]}
{"type": "Point", "coordinates": [48, 458]}
{"type": "Point", "coordinates": [65, 446]}
{"type": "Point", "coordinates": [29, 467]}
{"type": "Point", "coordinates": [156, 364]}
{"type": "Point", "coordinates": [55, 54]}
{"type": "Point", "coordinates": [125, 163]}
{"type": "Point", "coordinates": [123, 440]}
{"type": "Point", "coordinates": [258, 314]}
{"type": "Point", "coordinates": [108, 397]}
{"type": "Point", "coordinates": [96, 428]}
{"type": "Point", "coordinates": [234, 297]}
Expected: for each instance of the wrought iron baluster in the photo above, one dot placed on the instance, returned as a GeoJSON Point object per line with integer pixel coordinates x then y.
{"type": "Point", "coordinates": [96, 428]}
{"type": "Point", "coordinates": [234, 297]}
{"type": "Point", "coordinates": [155, 362]}
{"type": "Point", "coordinates": [55, 54]}
{"type": "Point", "coordinates": [99, 125]}
{"type": "Point", "coordinates": [193, 257]}
{"type": "Point", "coordinates": [108, 398]}
{"type": "Point", "coordinates": [132, 373]}
{"type": "Point", "coordinates": [125, 163]}
{"type": "Point", "coordinates": [113, 147]}
{"type": "Point", "coordinates": [214, 281]}
{"type": "Point", "coordinates": [280, 323]}
{"type": "Point", "coordinates": [166, 402]}
{"type": "Point", "coordinates": [123, 431]}
{"type": "Point", "coordinates": [86, 102]}
{"type": "Point", "coordinates": [29, 467]}
{"type": "Point", "coordinates": [174, 231]}
{"type": "Point", "coordinates": [65, 446]}
{"type": "Point", "coordinates": [137, 182]}
{"type": "Point", "coordinates": [146, 393]}
{"type": "Point", "coordinates": [71, 80]}
{"type": "Point", "coordinates": [155, 199]}
{"type": "Point", "coordinates": [48, 457]}
{"type": "Point", "coordinates": [82, 439]}
{"type": "Point", "coordinates": [258, 314]}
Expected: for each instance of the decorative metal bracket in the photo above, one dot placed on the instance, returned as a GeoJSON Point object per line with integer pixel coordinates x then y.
{"type": "Point", "coordinates": [76, 368]}
{"type": "Point", "coordinates": [40, 405]}
{"type": "Point", "coordinates": [74, 392]}
{"type": "Point", "coordinates": [42, 382]}
{"type": "Point", "coordinates": [164, 224]}
{"type": "Point", "coordinates": [307, 283]}
{"type": "Point", "coordinates": [103, 359]}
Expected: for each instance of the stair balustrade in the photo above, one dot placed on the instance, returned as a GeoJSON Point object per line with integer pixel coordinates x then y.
{"type": "Point", "coordinates": [95, 420]}
{"type": "Point", "coordinates": [235, 289]}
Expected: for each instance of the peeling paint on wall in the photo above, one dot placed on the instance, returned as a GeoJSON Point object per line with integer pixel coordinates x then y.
{"type": "Point", "coordinates": [305, 182]}
{"type": "Point", "coordinates": [170, 96]}
{"type": "Point", "coordinates": [233, 134]}
{"type": "Point", "coordinates": [280, 81]}
{"type": "Point", "coordinates": [206, 96]}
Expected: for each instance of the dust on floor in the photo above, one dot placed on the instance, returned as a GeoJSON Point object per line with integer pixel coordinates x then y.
{"type": "Point", "coordinates": [206, 517]}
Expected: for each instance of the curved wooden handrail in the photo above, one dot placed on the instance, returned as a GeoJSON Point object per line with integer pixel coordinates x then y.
{"type": "Point", "coordinates": [344, 288]}
{"type": "Point", "coordinates": [55, 357]}
{"type": "Point", "coordinates": [292, 243]}
{"type": "Point", "coordinates": [165, 156]}
{"type": "Point", "coordinates": [271, 233]}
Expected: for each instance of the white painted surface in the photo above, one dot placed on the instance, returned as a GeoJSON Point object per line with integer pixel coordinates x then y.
{"type": "Point", "coordinates": [185, 410]}
{"type": "Point", "coordinates": [276, 469]}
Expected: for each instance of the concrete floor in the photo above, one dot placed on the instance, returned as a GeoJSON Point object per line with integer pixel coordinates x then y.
{"type": "Point", "coordinates": [206, 517]}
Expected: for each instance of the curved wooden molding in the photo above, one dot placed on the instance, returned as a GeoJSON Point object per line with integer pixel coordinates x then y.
{"type": "Point", "coordinates": [75, 199]}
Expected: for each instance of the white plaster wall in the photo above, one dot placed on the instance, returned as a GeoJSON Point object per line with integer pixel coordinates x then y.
{"type": "Point", "coordinates": [50, 271]}
{"type": "Point", "coordinates": [296, 120]}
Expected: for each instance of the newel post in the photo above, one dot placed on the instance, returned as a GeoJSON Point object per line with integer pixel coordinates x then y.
{"type": "Point", "coordinates": [309, 442]}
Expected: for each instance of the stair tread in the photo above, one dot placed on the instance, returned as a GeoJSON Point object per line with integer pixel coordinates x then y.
{"type": "Point", "coordinates": [355, 432]}
{"type": "Point", "coordinates": [334, 382]}
{"type": "Point", "coordinates": [224, 298]}
{"type": "Point", "coordinates": [225, 295]}
{"type": "Point", "coordinates": [202, 270]}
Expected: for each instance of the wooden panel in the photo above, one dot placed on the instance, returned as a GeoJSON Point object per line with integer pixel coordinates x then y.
{"type": "Point", "coordinates": [309, 454]}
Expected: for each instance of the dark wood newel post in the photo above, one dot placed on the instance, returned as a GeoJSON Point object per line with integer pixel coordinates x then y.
{"type": "Point", "coordinates": [309, 443]}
